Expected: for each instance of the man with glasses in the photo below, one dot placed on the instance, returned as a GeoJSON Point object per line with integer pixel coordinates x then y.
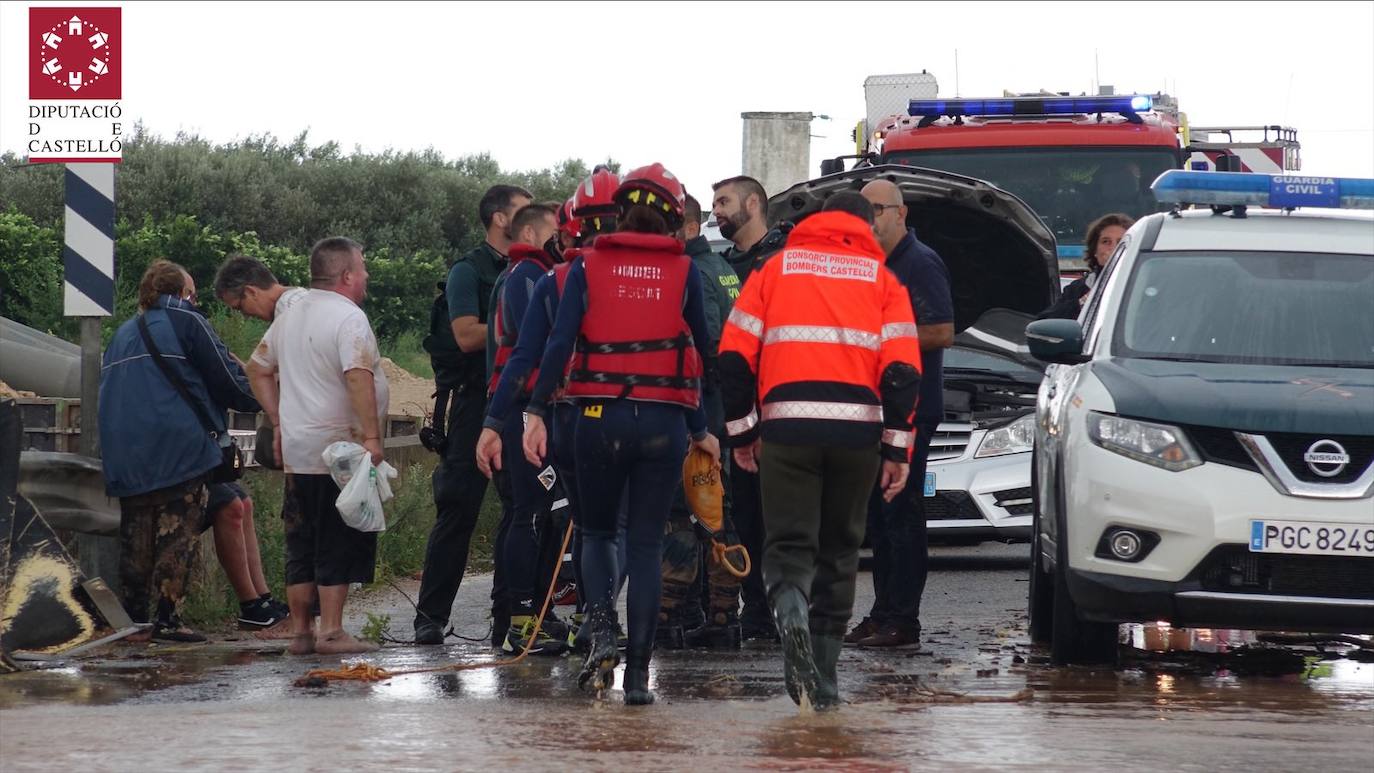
{"type": "Point", "coordinates": [459, 485]}
{"type": "Point", "coordinates": [897, 529]}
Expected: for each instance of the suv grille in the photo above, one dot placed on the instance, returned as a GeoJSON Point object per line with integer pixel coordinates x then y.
{"type": "Point", "coordinates": [1291, 448]}
{"type": "Point", "coordinates": [1220, 446]}
{"type": "Point", "coordinates": [1233, 568]}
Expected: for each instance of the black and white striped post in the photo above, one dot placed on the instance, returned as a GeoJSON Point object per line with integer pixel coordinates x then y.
{"type": "Point", "coordinates": [88, 277]}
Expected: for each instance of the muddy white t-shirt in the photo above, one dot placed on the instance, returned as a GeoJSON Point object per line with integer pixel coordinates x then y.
{"type": "Point", "coordinates": [323, 337]}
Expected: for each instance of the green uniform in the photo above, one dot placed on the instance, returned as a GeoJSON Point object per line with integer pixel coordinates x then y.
{"type": "Point", "coordinates": [682, 545]}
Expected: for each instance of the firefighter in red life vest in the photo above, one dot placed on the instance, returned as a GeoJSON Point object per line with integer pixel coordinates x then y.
{"type": "Point", "coordinates": [821, 361]}
{"type": "Point", "coordinates": [633, 322]}
{"type": "Point", "coordinates": [522, 560]}
{"type": "Point", "coordinates": [590, 212]}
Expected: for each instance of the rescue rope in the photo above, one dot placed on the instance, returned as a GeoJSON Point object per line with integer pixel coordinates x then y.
{"type": "Point", "coordinates": [368, 672]}
{"type": "Point", "coordinates": [721, 552]}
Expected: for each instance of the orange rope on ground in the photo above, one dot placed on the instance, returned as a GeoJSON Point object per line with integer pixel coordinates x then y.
{"type": "Point", "coordinates": [367, 672]}
{"type": "Point", "coordinates": [721, 553]}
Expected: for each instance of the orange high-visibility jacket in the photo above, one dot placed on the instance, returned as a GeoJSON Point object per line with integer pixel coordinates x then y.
{"type": "Point", "coordinates": [821, 347]}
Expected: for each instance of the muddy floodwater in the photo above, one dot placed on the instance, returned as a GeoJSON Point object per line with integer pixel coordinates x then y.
{"type": "Point", "coordinates": [977, 696]}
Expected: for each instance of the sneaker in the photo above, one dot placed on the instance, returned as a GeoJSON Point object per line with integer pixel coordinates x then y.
{"type": "Point", "coordinates": [175, 631]}
{"type": "Point", "coordinates": [555, 625]}
{"type": "Point", "coordinates": [500, 622]}
{"type": "Point", "coordinates": [518, 637]}
{"type": "Point", "coordinates": [575, 621]}
{"type": "Point", "coordinates": [259, 613]}
{"type": "Point", "coordinates": [867, 627]}
{"type": "Point", "coordinates": [282, 609]}
{"type": "Point", "coordinates": [892, 637]}
{"type": "Point", "coordinates": [429, 633]}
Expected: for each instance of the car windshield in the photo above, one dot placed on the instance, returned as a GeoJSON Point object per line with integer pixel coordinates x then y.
{"type": "Point", "coordinates": [1273, 308]}
{"type": "Point", "coordinates": [960, 358]}
{"type": "Point", "coordinates": [1067, 187]}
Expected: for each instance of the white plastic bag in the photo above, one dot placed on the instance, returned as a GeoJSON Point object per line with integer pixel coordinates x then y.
{"type": "Point", "coordinates": [362, 487]}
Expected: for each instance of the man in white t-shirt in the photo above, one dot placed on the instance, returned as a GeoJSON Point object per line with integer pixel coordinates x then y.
{"type": "Point", "coordinates": [332, 388]}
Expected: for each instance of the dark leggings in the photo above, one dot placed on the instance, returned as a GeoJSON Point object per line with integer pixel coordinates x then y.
{"type": "Point", "coordinates": [562, 436]}
{"type": "Point", "coordinates": [622, 442]}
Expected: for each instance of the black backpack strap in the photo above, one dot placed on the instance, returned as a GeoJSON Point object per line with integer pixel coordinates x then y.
{"type": "Point", "coordinates": [174, 378]}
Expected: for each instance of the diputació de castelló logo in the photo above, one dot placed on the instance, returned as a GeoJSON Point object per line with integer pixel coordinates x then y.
{"type": "Point", "coordinates": [74, 53]}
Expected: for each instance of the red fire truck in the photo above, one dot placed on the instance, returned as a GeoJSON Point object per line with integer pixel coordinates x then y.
{"type": "Point", "coordinates": [1070, 158]}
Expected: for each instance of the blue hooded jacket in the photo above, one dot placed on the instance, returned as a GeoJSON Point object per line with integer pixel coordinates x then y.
{"type": "Point", "coordinates": [150, 438]}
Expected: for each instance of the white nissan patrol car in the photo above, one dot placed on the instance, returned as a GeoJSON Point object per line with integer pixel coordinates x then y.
{"type": "Point", "coordinates": [1204, 449]}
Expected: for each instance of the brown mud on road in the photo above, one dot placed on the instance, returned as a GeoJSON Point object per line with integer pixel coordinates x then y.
{"type": "Point", "coordinates": [977, 696]}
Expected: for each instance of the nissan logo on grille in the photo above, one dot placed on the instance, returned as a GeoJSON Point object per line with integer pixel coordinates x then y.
{"type": "Point", "coordinates": [1326, 458]}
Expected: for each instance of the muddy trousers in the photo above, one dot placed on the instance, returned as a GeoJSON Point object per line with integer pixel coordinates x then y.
{"type": "Point", "coordinates": [897, 533]}
{"type": "Point", "coordinates": [687, 557]}
{"type": "Point", "coordinates": [158, 544]}
{"type": "Point", "coordinates": [814, 507]}
{"type": "Point", "coordinates": [458, 491]}
{"type": "Point", "coordinates": [531, 505]}
{"type": "Point", "coordinates": [642, 445]}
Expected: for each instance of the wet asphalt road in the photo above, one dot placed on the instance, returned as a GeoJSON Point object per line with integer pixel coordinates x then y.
{"type": "Point", "coordinates": [976, 697]}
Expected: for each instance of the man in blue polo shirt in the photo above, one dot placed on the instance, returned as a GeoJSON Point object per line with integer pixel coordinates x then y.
{"type": "Point", "coordinates": [897, 529]}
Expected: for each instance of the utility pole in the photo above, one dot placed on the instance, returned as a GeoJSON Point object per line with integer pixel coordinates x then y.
{"type": "Point", "coordinates": [88, 291]}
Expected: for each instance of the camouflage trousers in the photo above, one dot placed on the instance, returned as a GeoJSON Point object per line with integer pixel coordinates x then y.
{"type": "Point", "coordinates": [158, 534]}
{"type": "Point", "coordinates": [684, 549]}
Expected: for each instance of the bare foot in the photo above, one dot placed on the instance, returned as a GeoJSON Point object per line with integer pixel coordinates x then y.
{"type": "Point", "coordinates": [341, 643]}
{"type": "Point", "coordinates": [301, 644]}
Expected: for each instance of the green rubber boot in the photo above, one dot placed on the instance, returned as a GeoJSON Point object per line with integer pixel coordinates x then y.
{"type": "Point", "coordinates": [791, 611]}
{"type": "Point", "coordinates": [826, 650]}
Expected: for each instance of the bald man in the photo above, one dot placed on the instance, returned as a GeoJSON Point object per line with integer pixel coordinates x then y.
{"type": "Point", "coordinates": [898, 528]}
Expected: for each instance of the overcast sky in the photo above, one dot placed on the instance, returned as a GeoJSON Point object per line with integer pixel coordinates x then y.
{"type": "Point", "coordinates": [533, 83]}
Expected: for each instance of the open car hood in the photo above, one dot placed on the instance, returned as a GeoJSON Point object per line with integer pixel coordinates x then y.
{"type": "Point", "coordinates": [1001, 332]}
{"type": "Point", "coordinates": [999, 253]}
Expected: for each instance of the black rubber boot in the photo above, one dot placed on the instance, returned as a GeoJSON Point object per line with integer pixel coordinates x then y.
{"type": "Point", "coordinates": [598, 670]}
{"type": "Point", "coordinates": [826, 650]}
{"type": "Point", "coordinates": [637, 691]}
{"type": "Point", "coordinates": [791, 612]}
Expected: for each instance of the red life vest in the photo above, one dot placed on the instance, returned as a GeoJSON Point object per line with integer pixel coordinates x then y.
{"type": "Point", "coordinates": [634, 342]}
{"type": "Point", "coordinates": [506, 335]}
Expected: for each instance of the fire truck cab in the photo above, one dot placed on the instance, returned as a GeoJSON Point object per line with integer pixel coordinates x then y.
{"type": "Point", "coordinates": [1072, 159]}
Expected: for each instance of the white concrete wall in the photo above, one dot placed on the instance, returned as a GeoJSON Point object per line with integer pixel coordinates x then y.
{"type": "Point", "coordinates": [777, 149]}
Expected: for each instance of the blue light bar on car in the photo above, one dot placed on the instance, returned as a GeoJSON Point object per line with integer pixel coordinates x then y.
{"type": "Point", "coordinates": [1128, 104]}
{"type": "Point", "coordinates": [1263, 190]}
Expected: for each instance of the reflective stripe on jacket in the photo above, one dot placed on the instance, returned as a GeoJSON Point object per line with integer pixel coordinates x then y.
{"type": "Point", "coordinates": [812, 339]}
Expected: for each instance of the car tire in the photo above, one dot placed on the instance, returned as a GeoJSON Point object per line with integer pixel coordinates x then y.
{"type": "Point", "coordinates": [1040, 606]}
{"type": "Point", "coordinates": [1074, 640]}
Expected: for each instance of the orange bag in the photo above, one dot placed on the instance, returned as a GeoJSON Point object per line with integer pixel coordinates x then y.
{"type": "Point", "coordinates": [705, 496]}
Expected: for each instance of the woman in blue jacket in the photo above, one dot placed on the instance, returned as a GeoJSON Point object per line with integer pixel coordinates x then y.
{"type": "Point", "coordinates": [156, 453]}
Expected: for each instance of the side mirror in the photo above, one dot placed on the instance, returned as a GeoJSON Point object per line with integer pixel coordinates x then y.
{"type": "Point", "coordinates": [1056, 340]}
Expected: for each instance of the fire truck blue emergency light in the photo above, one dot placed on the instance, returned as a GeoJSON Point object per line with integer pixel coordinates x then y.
{"type": "Point", "coordinates": [1126, 104]}
{"type": "Point", "coordinates": [1263, 190]}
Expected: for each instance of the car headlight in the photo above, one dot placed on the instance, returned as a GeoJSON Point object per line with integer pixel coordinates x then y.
{"type": "Point", "coordinates": [1017, 437]}
{"type": "Point", "coordinates": [1161, 445]}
